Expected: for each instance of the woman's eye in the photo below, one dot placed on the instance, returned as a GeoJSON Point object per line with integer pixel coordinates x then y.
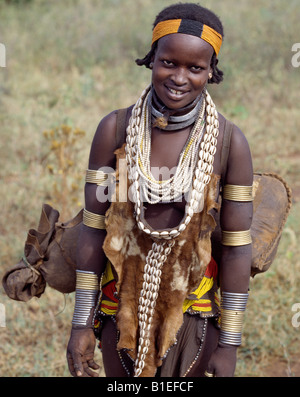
{"type": "Point", "coordinates": [167, 63]}
{"type": "Point", "coordinates": [196, 68]}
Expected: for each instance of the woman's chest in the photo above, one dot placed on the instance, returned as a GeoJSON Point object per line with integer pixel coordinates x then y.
{"type": "Point", "coordinates": [170, 150]}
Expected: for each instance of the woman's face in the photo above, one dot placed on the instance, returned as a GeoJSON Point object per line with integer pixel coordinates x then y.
{"type": "Point", "coordinates": [180, 71]}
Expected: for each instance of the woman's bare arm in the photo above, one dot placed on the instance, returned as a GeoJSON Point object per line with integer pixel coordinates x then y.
{"type": "Point", "coordinates": [235, 266]}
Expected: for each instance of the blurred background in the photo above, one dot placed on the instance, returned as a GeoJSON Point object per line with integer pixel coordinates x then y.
{"type": "Point", "coordinates": [68, 64]}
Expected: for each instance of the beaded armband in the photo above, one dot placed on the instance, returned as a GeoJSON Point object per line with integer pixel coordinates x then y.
{"type": "Point", "coordinates": [93, 220]}
{"type": "Point", "coordinates": [236, 239]}
{"type": "Point", "coordinates": [233, 306]}
{"type": "Point", "coordinates": [87, 289]}
{"type": "Point", "coordinates": [238, 193]}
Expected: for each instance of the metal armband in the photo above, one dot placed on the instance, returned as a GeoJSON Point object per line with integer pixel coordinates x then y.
{"type": "Point", "coordinates": [99, 177]}
{"type": "Point", "coordinates": [238, 193]}
{"type": "Point", "coordinates": [93, 220]}
{"type": "Point", "coordinates": [236, 239]}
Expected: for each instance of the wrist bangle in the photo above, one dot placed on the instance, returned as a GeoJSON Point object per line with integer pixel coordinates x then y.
{"type": "Point", "coordinates": [233, 306]}
{"type": "Point", "coordinates": [87, 289]}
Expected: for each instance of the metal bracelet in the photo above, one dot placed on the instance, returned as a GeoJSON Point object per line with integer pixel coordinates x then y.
{"type": "Point", "coordinates": [233, 306]}
{"type": "Point", "coordinates": [85, 298]}
{"type": "Point", "coordinates": [230, 338]}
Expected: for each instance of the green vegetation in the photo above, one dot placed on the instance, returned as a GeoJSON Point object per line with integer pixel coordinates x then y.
{"type": "Point", "coordinates": [68, 64]}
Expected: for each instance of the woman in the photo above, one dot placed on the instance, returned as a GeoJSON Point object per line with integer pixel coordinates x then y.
{"type": "Point", "coordinates": [159, 313]}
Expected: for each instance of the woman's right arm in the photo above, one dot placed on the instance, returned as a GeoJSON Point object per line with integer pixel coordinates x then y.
{"type": "Point", "coordinates": [90, 256]}
{"type": "Point", "coordinates": [91, 260]}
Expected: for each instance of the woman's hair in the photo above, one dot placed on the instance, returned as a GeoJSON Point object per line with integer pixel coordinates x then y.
{"type": "Point", "coordinates": [194, 12]}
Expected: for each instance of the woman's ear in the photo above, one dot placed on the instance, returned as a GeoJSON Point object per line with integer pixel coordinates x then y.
{"type": "Point", "coordinates": [152, 61]}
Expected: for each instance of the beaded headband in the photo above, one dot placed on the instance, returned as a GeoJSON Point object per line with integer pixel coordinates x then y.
{"type": "Point", "coordinates": [188, 26]}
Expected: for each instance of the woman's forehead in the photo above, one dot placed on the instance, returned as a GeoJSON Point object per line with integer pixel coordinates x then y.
{"type": "Point", "coordinates": [180, 43]}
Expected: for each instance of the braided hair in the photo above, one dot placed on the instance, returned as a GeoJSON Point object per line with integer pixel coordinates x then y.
{"type": "Point", "coordinates": [194, 12]}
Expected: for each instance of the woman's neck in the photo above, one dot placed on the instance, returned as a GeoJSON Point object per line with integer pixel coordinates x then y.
{"type": "Point", "coordinates": [173, 119]}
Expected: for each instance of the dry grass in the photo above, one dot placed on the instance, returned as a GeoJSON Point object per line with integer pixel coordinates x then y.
{"type": "Point", "coordinates": [70, 63]}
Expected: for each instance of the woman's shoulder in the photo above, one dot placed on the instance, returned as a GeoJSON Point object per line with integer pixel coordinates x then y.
{"type": "Point", "coordinates": [238, 137]}
{"type": "Point", "coordinates": [236, 131]}
{"type": "Point", "coordinates": [239, 165]}
{"type": "Point", "coordinates": [107, 126]}
{"type": "Point", "coordinates": [105, 141]}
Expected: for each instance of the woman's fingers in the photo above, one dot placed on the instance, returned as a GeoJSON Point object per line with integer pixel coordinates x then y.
{"type": "Point", "coordinates": [79, 366]}
{"type": "Point", "coordinates": [92, 364]}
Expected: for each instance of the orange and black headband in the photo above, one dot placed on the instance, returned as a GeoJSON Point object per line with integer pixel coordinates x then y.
{"type": "Point", "coordinates": [188, 26]}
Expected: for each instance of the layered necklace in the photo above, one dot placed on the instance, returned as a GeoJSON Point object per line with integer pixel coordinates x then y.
{"type": "Point", "coordinates": [172, 189]}
{"type": "Point", "coordinates": [193, 173]}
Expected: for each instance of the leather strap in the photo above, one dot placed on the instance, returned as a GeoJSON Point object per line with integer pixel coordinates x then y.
{"type": "Point", "coordinates": [122, 120]}
{"type": "Point", "coordinates": [121, 127]}
{"type": "Point", "coordinates": [225, 149]}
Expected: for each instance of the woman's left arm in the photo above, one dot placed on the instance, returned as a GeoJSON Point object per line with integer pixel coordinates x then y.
{"type": "Point", "coordinates": [235, 266]}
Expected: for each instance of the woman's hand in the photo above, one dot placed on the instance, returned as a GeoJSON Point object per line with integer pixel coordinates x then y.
{"type": "Point", "coordinates": [80, 352]}
{"type": "Point", "coordinates": [223, 361]}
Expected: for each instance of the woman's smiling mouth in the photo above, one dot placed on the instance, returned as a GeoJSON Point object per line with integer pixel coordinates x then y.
{"type": "Point", "coordinates": [177, 93]}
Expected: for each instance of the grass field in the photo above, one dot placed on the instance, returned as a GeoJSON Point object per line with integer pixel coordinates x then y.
{"type": "Point", "coordinates": [68, 64]}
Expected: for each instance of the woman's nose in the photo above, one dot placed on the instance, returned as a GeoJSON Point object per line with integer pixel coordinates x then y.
{"type": "Point", "coordinates": [179, 77]}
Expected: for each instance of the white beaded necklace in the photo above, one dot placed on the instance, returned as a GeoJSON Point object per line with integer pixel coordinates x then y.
{"type": "Point", "coordinates": [153, 191]}
{"type": "Point", "coordinates": [200, 158]}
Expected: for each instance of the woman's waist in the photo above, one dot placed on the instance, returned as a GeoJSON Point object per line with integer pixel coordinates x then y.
{"type": "Point", "coordinates": [203, 298]}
